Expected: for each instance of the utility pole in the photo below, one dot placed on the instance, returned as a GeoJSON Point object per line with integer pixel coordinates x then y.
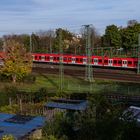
{"type": "Point", "coordinates": [89, 69]}
{"type": "Point", "coordinates": [50, 42]}
{"type": "Point", "coordinates": [4, 45]}
{"type": "Point", "coordinates": [138, 68]}
{"type": "Point", "coordinates": [30, 43]}
{"type": "Point", "coordinates": [61, 69]}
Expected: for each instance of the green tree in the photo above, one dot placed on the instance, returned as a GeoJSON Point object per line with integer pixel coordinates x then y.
{"type": "Point", "coordinates": [17, 62]}
{"type": "Point", "coordinates": [112, 37]}
{"type": "Point", "coordinates": [130, 35]}
{"type": "Point", "coordinates": [67, 40]}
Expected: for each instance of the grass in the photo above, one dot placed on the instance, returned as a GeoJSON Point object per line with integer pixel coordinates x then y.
{"type": "Point", "coordinates": [75, 84]}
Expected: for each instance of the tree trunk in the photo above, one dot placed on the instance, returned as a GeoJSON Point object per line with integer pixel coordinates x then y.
{"type": "Point", "coordinates": [10, 101]}
{"type": "Point", "coordinates": [14, 78]}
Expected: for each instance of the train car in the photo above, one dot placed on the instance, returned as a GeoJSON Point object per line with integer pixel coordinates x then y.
{"type": "Point", "coordinates": [77, 60]}
{"type": "Point", "coordinates": [97, 61]}
{"type": "Point", "coordinates": [82, 60]}
{"type": "Point", "coordinates": [129, 62]}
{"type": "Point", "coordinates": [70, 59]}
{"type": "Point", "coordinates": [52, 58]}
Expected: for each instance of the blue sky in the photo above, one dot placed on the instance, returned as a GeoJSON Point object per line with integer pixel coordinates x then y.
{"type": "Point", "coordinates": [26, 16]}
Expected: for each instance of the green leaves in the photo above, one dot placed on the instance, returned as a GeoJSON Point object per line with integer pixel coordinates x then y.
{"type": "Point", "coordinates": [125, 37]}
{"type": "Point", "coordinates": [112, 37]}
{"type": "Point", "coordinates": [130, 35]}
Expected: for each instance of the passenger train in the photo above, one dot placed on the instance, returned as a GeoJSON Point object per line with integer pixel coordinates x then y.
{"type": "Point", "coordinates": [82, 60]}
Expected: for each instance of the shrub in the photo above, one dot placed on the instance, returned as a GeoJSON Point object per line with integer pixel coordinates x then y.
{"type": "Point", "coordinates": [40, 95]}
{"type": "Point", "coordinates": [5, 78]}
{"type": "Point", "coordinates": [28, 79]}
{"type": "Point", "coordinates": [8, 137]}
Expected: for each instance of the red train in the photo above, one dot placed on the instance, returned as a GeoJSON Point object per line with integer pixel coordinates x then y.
{"type": "Point", "coordinates": [82, 60]}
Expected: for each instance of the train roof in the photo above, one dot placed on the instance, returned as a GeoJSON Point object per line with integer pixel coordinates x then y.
{"type": "Point", "coordinates": [73, 55]}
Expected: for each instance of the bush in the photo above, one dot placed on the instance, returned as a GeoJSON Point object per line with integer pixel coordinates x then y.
{"type": "Point", "coordinates": [9, 109]}
{"type": "Point", "coordinates": [10, 91]}
{"type": "Point", "coordinates": [28, 79]}
{"type": "Point", "coordinates": [5, 78]}
{"type": "Point", "coordinates": [8, 137]}
{"type": "Point", "coordinates": [40, 95]}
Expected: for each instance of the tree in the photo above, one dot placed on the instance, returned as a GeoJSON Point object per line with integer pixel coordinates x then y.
{"type": "Point", "coordinates": [132, 22]}
{"type": "Point", "coordinates": [130, 35]}
{"type": "Point", "coordinates": [26, 41]}
{"type": "Point", "coordinates": [8, 137]}
{"type": "Point", "coordinates": [17, 62]}
{"type": "Point", "coordinates": [67, 40]}
{"type": "Point", "coordinates": [112, 37]}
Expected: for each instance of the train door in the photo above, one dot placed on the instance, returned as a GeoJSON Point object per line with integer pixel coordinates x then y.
{"type": "Point", "coordinates": [73, 60]}
{"type": "Point", "coordinates": [42, 58]}
{"type": "Point", "coordinates": [61, 59]}
{"type": "Point", "coordinates": [84, 60]}
{"type": "Point", "coordinates": [110, 62]}
{"type": "Point", "coordinates": [51, 58]}
{"type": "Point", "coordinates": [124, 63]}
{"type": "Point", "coordinates": [95, 61]}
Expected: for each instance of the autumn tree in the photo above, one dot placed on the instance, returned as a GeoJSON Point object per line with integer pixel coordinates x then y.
{"type": "Point", "coordinates": [17, 62]}
{"type": "Point", "coordinates": [8, 137]}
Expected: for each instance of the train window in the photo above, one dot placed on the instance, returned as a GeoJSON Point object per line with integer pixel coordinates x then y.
{"type": "Point", "coordinates": [119, 62]}
{"type": "Point", "coordinates": [65, 59]}
{"type": "Point", "coordinates": [77, 59]}
{"type": "Point", "coordinates": [47, 57]}
{"type": "Point", "coordinates": [57, 58]}
{"type": "Point", "coordinates": [39, 57]}
{"type": "Point", "coordinates": [35, 57]}
{"type": "Point", "coordinates": [100, 60]}
{"type": "Point", "coordinates": [73, 59]}
{"type": "Point", "coordinates": [69, 59]}
{"type": "Point", "coordinates": [81, 60]}
{"type": "Point", "coordinates": [115, 61]}
{"type": "Point", "coordinates": [85, 60]}
{"type": "Point", "coordinates": [105, 61]}
{"type": "Point", "coordinates": [135, 63]}
{"type": "Point", "coordinates": [54, 58]}
{"type": "Point", "coordinates": [129, 62]}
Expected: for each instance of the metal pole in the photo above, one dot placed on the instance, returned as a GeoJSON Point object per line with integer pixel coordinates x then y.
{"type": "Point", "coordinates": [30, 43]}
{"type": "Point", "coordinates": [138, 68]}
{"type": "Point", "coordinates": [61, 70]}
{"type": "Point", "coordinates": [89, 70]}
{"type": "Point", "coordinates": [4, 45]}
{"type": "Point", "coordinates": [50, 43]}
